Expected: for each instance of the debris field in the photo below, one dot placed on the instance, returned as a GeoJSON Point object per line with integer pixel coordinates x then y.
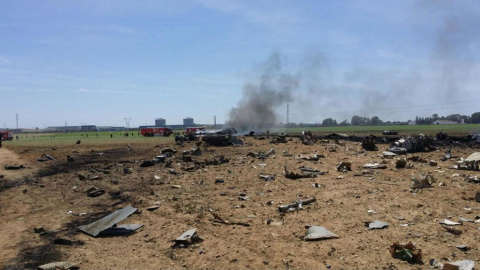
{"type": "Point", "coordinates": [269, 204]}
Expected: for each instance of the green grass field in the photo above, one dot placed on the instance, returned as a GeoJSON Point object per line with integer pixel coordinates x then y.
{"type": "Point", "coordinates": [402, 129]}
{"type": "Point", "coordinates": [86, 138]}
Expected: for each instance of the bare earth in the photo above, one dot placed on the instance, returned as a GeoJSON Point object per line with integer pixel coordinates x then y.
{"type": "Point", "coordinates": [41, 195]}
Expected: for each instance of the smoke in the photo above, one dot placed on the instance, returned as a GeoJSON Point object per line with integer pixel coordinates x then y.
{"type": "Point", "coordinates": [262, 96]}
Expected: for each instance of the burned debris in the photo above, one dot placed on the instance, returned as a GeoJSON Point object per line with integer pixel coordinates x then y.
{"type": "Point", "coordinates": [420, 143]}
{"type": "Point", "coordinates": [368, 143]}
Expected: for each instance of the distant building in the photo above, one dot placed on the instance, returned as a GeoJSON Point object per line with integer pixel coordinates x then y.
{"type": "Point", "coordinates": [89, 128]}
{"type": "Point", "coordinates": [188, 121]}
{"type": "Point", "coordinates": [64, 128]}
{"type": "Point", "coordinates": [160, 122]}
{"type": "Point", "coordinates": [444, 122]}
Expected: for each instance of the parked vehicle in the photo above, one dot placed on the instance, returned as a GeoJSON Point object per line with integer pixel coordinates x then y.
{"type": "Point", "coordinates": [161, 131]}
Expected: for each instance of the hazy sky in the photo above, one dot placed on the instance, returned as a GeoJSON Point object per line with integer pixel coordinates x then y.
{"type": "Point", "coordinates": [97, 62]}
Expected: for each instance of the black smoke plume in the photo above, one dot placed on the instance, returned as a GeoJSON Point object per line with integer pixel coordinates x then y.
{"type": "Point", "coordinates": [257, 109]}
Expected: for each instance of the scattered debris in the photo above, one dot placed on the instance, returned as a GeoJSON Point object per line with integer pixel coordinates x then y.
{"type": "Point", "coordinates": [420, 143]}
{"type": "Point", "coordinates": [449, 222]}
{"type": "Point", "coordinates": [424, 181]}
{"type": "Point", "coordinates": [401, 163]}
{"type": "Point", "coordinates": [294, 175]}
{"type": "Point", "coordinates": [168, 150]}
{"type": "Point", "coordinates": [152, 208]}
{"type": "Point", "coordinates": [472, 162]}
{"type": "Point", "coordinates": [147, 163]}
{"type": "Point", "coordinates": [311, 171]}
{"type": "Point", "coordinates": [295, 206]}
{"type": "Point", "coordinates": [344, 166]}
{"type": "Point", "coordinates": [459, 265]}
{"type": "Point", "coordinates": [57, 266]}
{"type": "Point", "coordinates": [14, 167]}
{"type": "Point", "coordinates": [267, 177]}
{"type": "Point", "coordinates": [261, 155]}
{"type": "Point", "coordinates": [107, 225]}
{"type": "Point", "coordinates": [452, 230]}
{"type": "Point", "coordinates": [95, 192]}
{"type": "Point", "coordinates": [377, 224]}
{"type": "Point", "coordinates": [406, 252]}
{"type": "Point", "coordinates": [312, 157]}
{"type": "Point", "coordinates": [389, 154]}
{"type": "Point", "coordinates": [188, 238]}
{"type": "Point", "coordinates": [374, 166]}
{"type": "Point", "coordinates": [368, 143]}
{"type": "Point", "coordinates": [390, 132]}
{"type": "Point", "coordinates": [219, 219]}
{"type": "Point", "coordinates": [318, 233]}
{"type": "Point", "coordinates": [39, 230]}
{"type": "Point", "coordinates": [45, 157]}
{"type": "Point", "coordinates": [62, 241]}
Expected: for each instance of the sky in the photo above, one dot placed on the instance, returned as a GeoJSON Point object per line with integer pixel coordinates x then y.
{"type": "Point", "coordinates": [99, 62]}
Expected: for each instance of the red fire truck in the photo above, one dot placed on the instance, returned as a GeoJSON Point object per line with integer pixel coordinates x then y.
{"type": "Point", "coordinates": [6, 135]}
{"type": "Point", "coordinates": [160, 131]}
{"type": "Point", "coordinates": [193, 130]}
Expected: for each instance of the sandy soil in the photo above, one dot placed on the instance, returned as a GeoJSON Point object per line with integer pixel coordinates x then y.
{"type": "Point", "coordinates": [43, 194]}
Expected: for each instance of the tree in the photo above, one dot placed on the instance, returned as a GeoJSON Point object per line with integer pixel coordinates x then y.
{"type": "Point", "coordinates": [356, 120]}
{"type": "Point", "coordinates": [328, 122]}
{"type": "Point", "coordinates": [375, 121]}
{"type": "Point", "coordinates": [344, 123]}
{"type": "Point", "coordinates": [475, 118]}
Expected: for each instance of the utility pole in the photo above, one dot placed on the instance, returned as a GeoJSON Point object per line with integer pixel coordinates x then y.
{"type": "Point", "coordinates": [127, 122]}
{"type": "Point", "coordinates": [214, 120]}
{"type": "Point", "coordinates": [16, 116]}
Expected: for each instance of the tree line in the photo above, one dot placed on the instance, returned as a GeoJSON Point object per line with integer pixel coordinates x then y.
{"type": "Point", "coordinates": [376, 121]}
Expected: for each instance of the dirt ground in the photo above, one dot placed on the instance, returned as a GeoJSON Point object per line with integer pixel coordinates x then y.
{"type": "Point", "coordinates": [42, 194]}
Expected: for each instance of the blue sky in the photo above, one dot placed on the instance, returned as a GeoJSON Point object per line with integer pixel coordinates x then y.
{"type": "Point", "coordinates": [97, 62]}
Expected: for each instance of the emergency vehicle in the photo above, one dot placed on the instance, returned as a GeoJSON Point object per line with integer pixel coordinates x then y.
{"type": "Point", "coordinates": [193, 130]}
{"type": "Point", "coordinates": [6, 135]}
{"type": "Point", "coordinates": [160, 131]}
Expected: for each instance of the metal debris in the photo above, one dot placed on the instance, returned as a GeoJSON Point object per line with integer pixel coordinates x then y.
{"type": "Point", "coordinates": [449, 222]}
{"type": "Point", "coordinates": [107, 224]}
{"type": "Point", "coordinates": [95, 192]}
{"type": "Point", "coordinates": [388, 154]}
{"type": "Point", "coordinates": [424, 181]}
{"type": "Point", "coordinates": [261, 155]}
{"type": "Point", "coordinates": [459, 265]}
{"type": "Point", "coordinates": [318, 233]}
{"type": "Point", "coordinates": [57, 266]}
{"type": "Point", "coordinates": [311, 171]}
{"type": "Point", "coordinates": [312, 157]}
{"type": "Point", "coordinates": [187, 238]}
{"type": "Point", "coordinates": [296, 205]}
{"type": "Point", "coordinates": [377, 224]}
{"type": "Point", "coordinates": [45, 157]}
{"type": "Point", "coordinates": [344, 166]}
{"type": "Point", "coordinates": [374, 166]}
{"type": "Point", "coordinates": [267, 177]}
{"type": "Point", "coordinates": [217, 218]}
{"type": "Point", "coordinates": [294, 175]}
